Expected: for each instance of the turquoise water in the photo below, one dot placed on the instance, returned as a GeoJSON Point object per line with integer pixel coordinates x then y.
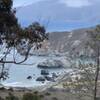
{"type": "Point", "coordinates": [18, 73]}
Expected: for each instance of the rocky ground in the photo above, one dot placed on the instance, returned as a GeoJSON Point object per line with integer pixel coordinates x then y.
{"type": "Point", "coordinates": [49, 94]}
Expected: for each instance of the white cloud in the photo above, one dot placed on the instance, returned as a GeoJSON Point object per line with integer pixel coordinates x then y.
{"type": "Point", "coordinates": [18, 3]}
{"type": "Point", "coordinates": [76, 3]}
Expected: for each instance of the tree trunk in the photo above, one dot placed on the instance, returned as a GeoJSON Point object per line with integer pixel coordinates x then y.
{"type": "Point", "coordinates": [97, 75]}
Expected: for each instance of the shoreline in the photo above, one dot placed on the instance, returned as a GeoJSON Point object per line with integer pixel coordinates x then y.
{"type": "Point", "coordinates": [36, 88]}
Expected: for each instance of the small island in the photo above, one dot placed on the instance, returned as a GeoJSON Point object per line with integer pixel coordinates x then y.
{"type": "Point", "coordinates": [51, 64]}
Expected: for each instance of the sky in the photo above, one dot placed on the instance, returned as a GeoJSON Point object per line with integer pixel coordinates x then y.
{"type": "Point", "coordinates": [70, 3]}
{"type": "Point", "coordinates": [85, 12]}
{"type": "Point", "coordinates": [18, 3]}
{"type": "Point", "coordinates": [76, 3]}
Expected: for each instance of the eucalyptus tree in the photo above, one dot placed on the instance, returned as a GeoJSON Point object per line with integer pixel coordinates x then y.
{"type": "Point", "coordinates": [95, 45]}
{"type": "Point", "coordinates": [14, 39]}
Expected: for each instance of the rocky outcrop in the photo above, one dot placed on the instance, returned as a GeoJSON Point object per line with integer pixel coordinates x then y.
{"type": "Point", "coordinates": [29, 77]}
{"type": "Point", "coordinates": [44, 72]}
{"type": "Point", "coordinates": [51, 64]}
{"type": "Point", "coordinates": [48, 78]}
{"type": "Point", "coordinates": [42, 79]}
{"type": "Point", "coordinates": [65, 43]}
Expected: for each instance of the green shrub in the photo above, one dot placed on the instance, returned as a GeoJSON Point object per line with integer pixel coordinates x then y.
{"type": "Point", "coordinates": [36, 92]}
{"type": "Point", "coordinates": [30, 96]}
{"type": "Point", "coordinates": [11, 97]}
{"type": "Point", "coordinates": [54, 98]}
{"type": "Point", "coordinates": [11, 89]}
{"type": "Point", "coordinates": [41, 96]}
{"type": "Point", "coordinates": [47, 94]}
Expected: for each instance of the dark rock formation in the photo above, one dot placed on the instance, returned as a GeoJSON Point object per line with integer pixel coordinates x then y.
{"type": "Point", "coordinates": [44, 72]}
{"type": "Point", "coordinates": [42, 79]}
{"type": "Point", "coordinates": [51, 64]}
{"type": "Point", "coordinates": [29, 77]}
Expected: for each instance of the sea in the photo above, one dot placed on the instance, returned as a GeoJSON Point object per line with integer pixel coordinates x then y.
{"type": "Point", "coordinates": [18, 73]}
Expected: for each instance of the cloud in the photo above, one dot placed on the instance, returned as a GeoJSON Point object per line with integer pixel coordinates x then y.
{"type": "Point", "coordinates": [76, 3]}
{"type": "Point", "coordinates": [18, 3]}
{"type": "Point", "coordinates": [69, 3]}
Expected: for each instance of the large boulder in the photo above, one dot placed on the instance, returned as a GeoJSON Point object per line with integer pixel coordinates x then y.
{"type": "Point", "coordinates": [44, 72]}
{"type": "Point", "coordinates": [48, 78]}
{"type": "Point", "coordinates": [42, 79]}
{"type": "Point", "coordinates": [29, 77]}
{"type": "Point", "coordinates": [51, 64]}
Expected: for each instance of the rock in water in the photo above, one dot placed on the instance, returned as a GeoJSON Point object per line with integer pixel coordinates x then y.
{"type": "Point", "coordinates": [42, 79]}
{"type": "Point", "coordinates": [44, 72]}
{"type": "Point", "coordinates": [29, 77]}
{"type": "Point", "coordinates": [51, 64]}
{"type": "Point", "coordinates": [48, 78]}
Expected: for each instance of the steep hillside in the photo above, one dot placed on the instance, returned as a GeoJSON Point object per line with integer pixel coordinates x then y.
{"type": "Point", "coordinates": [68, 41]}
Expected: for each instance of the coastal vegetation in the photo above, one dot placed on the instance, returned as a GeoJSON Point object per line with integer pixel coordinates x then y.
{"type": "Point", "coordinates": [15, 39]}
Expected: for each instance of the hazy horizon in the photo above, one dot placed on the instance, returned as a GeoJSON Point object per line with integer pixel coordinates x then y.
{"type": "Point", "coordinates": [63, 14]}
